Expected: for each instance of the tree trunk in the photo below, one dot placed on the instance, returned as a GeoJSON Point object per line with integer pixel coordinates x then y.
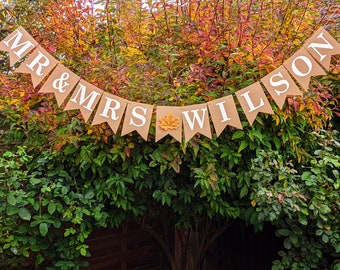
{"type": "Point", "coordinates": [186, 249]}
{"type": "Point", "coordinates": [190, 246]}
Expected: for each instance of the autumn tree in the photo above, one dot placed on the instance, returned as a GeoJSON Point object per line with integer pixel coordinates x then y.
{"type": "Point", "coordinates": [66, 177]}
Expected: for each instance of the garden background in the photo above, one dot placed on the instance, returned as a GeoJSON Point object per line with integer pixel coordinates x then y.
{"type": "Point", "coordinates": [62, 178]}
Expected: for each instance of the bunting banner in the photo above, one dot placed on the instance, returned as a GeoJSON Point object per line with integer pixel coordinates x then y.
{"type": "Point", "coordinates": [195, 120]}
{"type": "Point", "coordinates": [253, 100]}
{"type": "Point", "coordinates": [110, 110]}
{"type": "Point", "coordinates": [85, 98]}
{"type": "Point", "coordinates": [38, 65]}
{"type": "Point", "coordinates": [137, 118]}
{"type": "Point", "coordinates": [61, 82]}
{"type": "Point", "coordinates": [168, 122]}
{"type": "Point", "coordinates": [74, 93]}
{"type": "Point", "coordinates": [18, 44]}
{"type": "Point", "coordinates": [223, 112]}
{"type": "Point", "coordinates": [280, 85]}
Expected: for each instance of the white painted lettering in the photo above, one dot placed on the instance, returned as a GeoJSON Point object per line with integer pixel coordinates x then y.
{"type": "Point", "coordinates": [325, 45]}
{"type": "Point", "coordinates": [36, 61]}
{"type": "Point", "coordinates": [275, 83]}
{"type": "Point", "coordinates": [82, 92]}
{"type": "Point", "coordinates": [250, 103]}
{"type": "Point", "coordinates": [200, 120]}
{"type": "Point", "coordinates": [141, 117]}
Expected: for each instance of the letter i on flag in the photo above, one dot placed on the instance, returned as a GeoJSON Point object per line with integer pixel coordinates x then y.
{"type": "Point", "coordinates": [223, 112]}
{"type": "Point", "coordinates": [18, 44]}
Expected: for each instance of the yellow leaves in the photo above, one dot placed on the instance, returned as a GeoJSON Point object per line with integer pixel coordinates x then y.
{"type": "Point", "coordinates": [169, 122]}
{"type": "Point", "coordinates": [134, 55]}
{"type": "Point", "coordinates": [253, 203]}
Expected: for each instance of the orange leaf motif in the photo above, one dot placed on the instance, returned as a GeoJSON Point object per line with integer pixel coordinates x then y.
{"type": "Point", "coordinates": [169, 122]}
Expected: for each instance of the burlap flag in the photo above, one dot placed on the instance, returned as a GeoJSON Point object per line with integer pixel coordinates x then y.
{"type": "Point", "coordinates": [137, 118]}
{"type": "Point", "coordinates": [302, 66]}
{"type": "Point", "coordinates": [111, 110]}
{"type": "Point", "coordinates": [253, 100]}
{"type": "Point", "coordinates": [196, 120]}
{"type": "Point", "coordinates": [280, 85]}
{"type": "Point", "coordinates": [39, 64]}
{"type": "Point", "coordinates": [321, 45]}
{"type": "Point", "coordinates": [223, 112]}
{"type": "Point", "coordinates": [168, 122]}
{"type": "Point", "coordinates": [85, 98]}
{"type": "Point", "coordinates": [60, 83]}
{"type": "Point", "coordinates": [18, 44]}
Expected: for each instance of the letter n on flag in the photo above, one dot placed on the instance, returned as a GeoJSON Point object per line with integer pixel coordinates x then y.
{"type": "Point", "coordinates": [196, 120]}
{"type": "Point", "coordinates": [302, 66]}
{"type": "Point", "coordinates": [321, 45]}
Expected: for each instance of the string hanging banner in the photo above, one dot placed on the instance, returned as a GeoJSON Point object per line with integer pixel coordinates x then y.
{"type": "Point", "coordinates": [312, 59]}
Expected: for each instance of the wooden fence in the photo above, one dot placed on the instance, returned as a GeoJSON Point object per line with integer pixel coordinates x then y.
{"type": "Point", "coordinates": [125, 248]}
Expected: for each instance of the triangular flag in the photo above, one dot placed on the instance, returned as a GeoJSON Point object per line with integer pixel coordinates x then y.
{"type": "Point", "coordinates": [279, 84]}
{"type": "Point", "coordinates": [195, 120]}
{"type": "Point", "coordinates": [253, 100]}
{"type": "Point", "coordinates": [168, 122]}
{"type": "Point", "coordinates": [321, 45]}
{"type": "Point", "coordinates": [223, 112]}
{"type": "Point", "coordinates": [18, 44]}
{"type": "Point", "coordinates": [85, 98]}
{"type": "Point", "coordinates": [61, 82]}
{"type": "Point", "coordinates": [111, 110]}
{"type": "Point", "coordinates": [137, 118]}
{"type": "Point", "coordinates": [39, 64]}
{"type": "Point", "coordinates": [302, 66]}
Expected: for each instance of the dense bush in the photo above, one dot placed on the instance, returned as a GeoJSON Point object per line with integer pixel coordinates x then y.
{"type": "Point", "coordinates": [60, 177]}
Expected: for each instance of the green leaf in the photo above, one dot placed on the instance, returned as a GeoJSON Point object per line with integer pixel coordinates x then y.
{"type": "Point", "coordinates": [89, 195]}
{"type": "Point", "coordinates": [306, 176]}
{"type": "Point", "coordinates": [43, 228]}
{"type": "Point", "coordinates": [244, 191]}
{"type": "Point", "coordinates": [83, 251]}
{"type": "Point", "coordinates": [39, 259]}
{"type": "Point", "coordinates": [238, 134]}
{"type": "Point", "coordinates": [325, 238]}
{"type": "Point", "coordinates": [293, 239]}
{"type": "Point", "coordinates": [11, 199]}
{"type": "Point", "coordinates": [287, 244]}
{"type": "Point", "coordinates": [51, 208]}
{"type": "Point", "coordinates": [243, 145]}
{"type": "Point", "coordinates": [24, 214]}
{"type": "Point", "coordinates": [63, 174]}
{"type": "Point", "coordinates": [284, 232]}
